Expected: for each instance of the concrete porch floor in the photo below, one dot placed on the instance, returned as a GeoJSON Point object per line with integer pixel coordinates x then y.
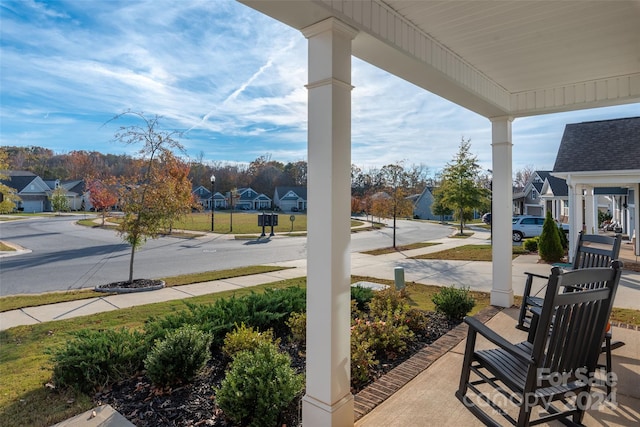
{"type": "Point", "coordinates": [429, 400]}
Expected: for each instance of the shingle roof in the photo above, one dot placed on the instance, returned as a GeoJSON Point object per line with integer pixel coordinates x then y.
{"type": "Point", "coordinates": [600, 146]}
{"type": "Point", "coordinates": [300, 191]}
{"type": "Point", "coordinates": [558, 186]}
{"type": "Point", "coordinates": [18, 180]}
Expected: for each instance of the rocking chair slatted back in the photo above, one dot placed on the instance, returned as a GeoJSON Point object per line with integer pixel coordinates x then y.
{"type": "Point", "coordinates": [571, 327]}
{"type": "Point", "coordinates": [593, 250]}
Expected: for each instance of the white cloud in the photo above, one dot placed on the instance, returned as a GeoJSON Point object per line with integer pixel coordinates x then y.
{"type": "Point", "coordinates": [233, 77]}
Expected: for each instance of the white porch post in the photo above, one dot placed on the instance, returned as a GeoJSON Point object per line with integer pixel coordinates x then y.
{"type": "Point", "coordinates": [575, 215]}
{"type": "Point", "coordinates": [328, 400]}
{"type": "Point", "coordinates": [590, 211]}
{"type": "Point", "coordinates": [502, 147]}
{"type": "Point", "coordinates": [636, 217]}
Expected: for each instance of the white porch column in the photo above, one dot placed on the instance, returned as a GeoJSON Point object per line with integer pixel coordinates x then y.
{"type": "Point", "coordinates": [328, 400]}
{"type": "Point", "coordinates": [590, 211]}
{"type": "Point", "coordinates": [575, 215]}
{"type": "Point", "coordinates": [636, 217]}
{"type": "Point", "coordinates": [502, 246]}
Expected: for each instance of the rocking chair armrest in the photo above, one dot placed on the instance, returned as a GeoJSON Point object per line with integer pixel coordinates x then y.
{"type": "Point", "coordinates": [529, 283]}
{"type": "Point", "coordinates": [540, 276]}
{"type": "Point", "coordinates": [477, 326]}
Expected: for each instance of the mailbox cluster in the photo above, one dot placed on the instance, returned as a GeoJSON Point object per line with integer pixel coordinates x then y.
{"type": "Point", "coordinates": [267, 220]}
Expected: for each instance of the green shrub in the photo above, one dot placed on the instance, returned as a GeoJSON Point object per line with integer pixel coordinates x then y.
{"type": "Point", "coordinates": [564, 241]}
{"type": "Point", "coordinates": [179, 357]}
{"type": "Point", "coordinates": [298, 324]}
{"type": "Point", "coordinates": [454, 302]}
{"type": "Point", "coordinates": [245, 338]}
{"type": "Point", "coordinates": [93, 359]}
{"type": "Point", "coordinates": [362, 296]}
{"type": "Point", "coordinates": [268, 310]}
{"type": "Point", "coordinates": [258, 386]}
{"type": "Point", "coordinates": [416, 320]}
{"type": "Point", "coordinates": [363, 361]}
{"type": "Point", "coordinates": [531, 244]}
{"type": "Point", "coordinates": [549, 245]}
{"type": "Point", "coordinates": [387, 300]}
{"type": "Point", "coordinates": [386, 339]}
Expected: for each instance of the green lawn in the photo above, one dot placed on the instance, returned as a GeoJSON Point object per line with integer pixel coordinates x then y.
{"type": "Point", "coordinates": [468, 253]}
{"type": "Point", "coordinates": [21, 301]}
{"type": "Point", "coordinates": [243, 223]}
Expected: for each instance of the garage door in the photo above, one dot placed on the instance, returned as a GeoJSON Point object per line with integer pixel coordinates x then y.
{"type": "Point", "coordinates": [32, 205]}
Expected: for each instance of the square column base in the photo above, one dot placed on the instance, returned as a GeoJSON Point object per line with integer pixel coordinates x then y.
{"type": "Point", "coordinates": [501, 298]}
{"type": "Point", "coordinates": [319, 414]}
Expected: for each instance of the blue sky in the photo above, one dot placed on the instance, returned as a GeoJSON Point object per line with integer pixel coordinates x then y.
{"type": "Point", "coordinates": [230, 77]}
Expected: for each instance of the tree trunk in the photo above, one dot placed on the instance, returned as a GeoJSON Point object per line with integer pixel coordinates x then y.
{"type": "Point", "coordinates": [394, 227]}
{"type": "Point", "coordinates": [133, 251]}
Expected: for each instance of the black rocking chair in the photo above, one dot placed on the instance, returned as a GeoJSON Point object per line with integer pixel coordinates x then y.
{"type": "Point", "coordinates": [593, 250]}
{"type": "Point", "coordinates": [554, 369]}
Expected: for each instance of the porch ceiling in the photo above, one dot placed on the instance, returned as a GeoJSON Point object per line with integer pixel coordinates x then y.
{"type": "Point", "coordinates": [496, 58]}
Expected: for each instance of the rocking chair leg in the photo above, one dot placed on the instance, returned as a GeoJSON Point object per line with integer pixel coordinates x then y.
{"type": "Point", "coordinates": [466, 367]}
{"type": "Point", "coordinates": [525, 412]}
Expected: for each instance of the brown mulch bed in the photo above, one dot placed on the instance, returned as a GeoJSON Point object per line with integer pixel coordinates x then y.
{"type": "Point", "coordinates": [136, 285]}
{"type": "Point", "coordinates": [194, 404]}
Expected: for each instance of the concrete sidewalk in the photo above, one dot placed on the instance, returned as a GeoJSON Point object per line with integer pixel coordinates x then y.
{"type": "Point", "coordinates": [475, 274]}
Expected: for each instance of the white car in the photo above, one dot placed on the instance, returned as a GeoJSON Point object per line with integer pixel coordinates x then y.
{"type": "Point", "coordinates": [530, 226]}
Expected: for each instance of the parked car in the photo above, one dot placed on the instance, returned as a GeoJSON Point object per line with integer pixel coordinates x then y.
{"type": "Point", "coordinates": [530, 226]}
{"type": "Point", "coordinates": [486, 218]}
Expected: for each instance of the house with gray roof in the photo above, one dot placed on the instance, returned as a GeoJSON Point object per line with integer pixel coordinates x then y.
{"type": "Point", "coordinates": [33, 191]}
{"type": "Point", "coordinates": [422, 206]}
{"type": "Point", "coordinates": [289, 199]}
{"type": "Point", "coordinates": [527, 201]}
{"type": "Point", "coordinates": [596, 157]}
{"type": "Point", "coordinates": [249, 199]}
{"type": "Point", "coordinates": [554, 195]}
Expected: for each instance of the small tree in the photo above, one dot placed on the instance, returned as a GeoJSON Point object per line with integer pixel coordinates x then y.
{"type": "Point", "coordinates": [459, 189]}
{"type": "Point", "coordinates": [59, 202]}
{"type": "Point", "coordinates": [437, 208]}
{"type": "Point", "coordinates": [141, 198]}
{"type": "Point", "coordinates": [396, 180]}
{"type": "Point", "coordinates": [549, 245]}
{"type": "Point", "coordinates": [103, 195]}
{"type": "Point", "coordinates": [8, 196]}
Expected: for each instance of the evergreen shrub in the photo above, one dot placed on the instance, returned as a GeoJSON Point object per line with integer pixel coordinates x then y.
{"type": "Point", "coordinates": [531, 244]}
{"type": "Point", "coordinates": [245, 338]}
{"type": "Point", "coordinates": [93, 359]}
{"type": "Point", "coordinates": [454, 302]}
{"type": "Point", "coordinates": [549, 245]}
{"type": "Point", "coordinates": [264, 311]}
{"type": "Point", "coordinates": [362, 296]}
{"type": "Point", "coordinates": [178, 358]}
{"type": "Point", "coordinates": [258, 386]}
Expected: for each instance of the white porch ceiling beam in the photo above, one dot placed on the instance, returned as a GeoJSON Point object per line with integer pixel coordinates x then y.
{"type": "Point", "coordinates": [591, 94]}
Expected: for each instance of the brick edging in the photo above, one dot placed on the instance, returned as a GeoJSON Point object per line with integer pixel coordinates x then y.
{"type": "Point", "coordinates": [625, 325]}
{"type": "Point", "coordinates": [382, 388]}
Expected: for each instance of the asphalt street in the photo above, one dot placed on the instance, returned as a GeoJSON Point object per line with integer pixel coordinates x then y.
{"type": "Point", "coordinates": [63, 255]}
